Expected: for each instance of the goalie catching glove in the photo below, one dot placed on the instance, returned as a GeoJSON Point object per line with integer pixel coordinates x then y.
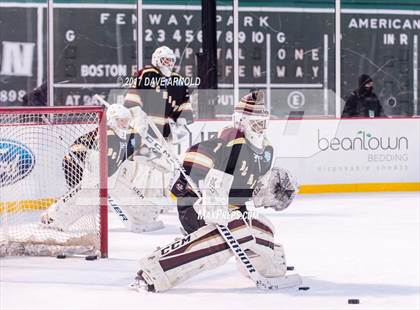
{"type": "Point", "coordinates": [276, 189]}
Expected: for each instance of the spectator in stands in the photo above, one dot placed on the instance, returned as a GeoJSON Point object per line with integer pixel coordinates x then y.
{"type": "Point", "coordinates": [363, 102]}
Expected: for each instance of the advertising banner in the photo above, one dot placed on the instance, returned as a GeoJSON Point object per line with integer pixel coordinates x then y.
{"type": "Point", "coordinates": [342, 152]}
{"type": "Point", "coordinates": [323, 155]}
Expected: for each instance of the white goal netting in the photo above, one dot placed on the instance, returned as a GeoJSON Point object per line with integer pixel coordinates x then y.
{"type": "Point", "coordinates": [43, 158]}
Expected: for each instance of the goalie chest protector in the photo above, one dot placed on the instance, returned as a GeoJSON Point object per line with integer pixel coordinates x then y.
{"type": "Point", "coordinates": [231, 153]}
{"type": "Point", "coordinates": [244, 163]}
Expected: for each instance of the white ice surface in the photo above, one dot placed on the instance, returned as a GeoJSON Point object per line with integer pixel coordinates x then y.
{"type": "Point", "coordinates": [363, 246]}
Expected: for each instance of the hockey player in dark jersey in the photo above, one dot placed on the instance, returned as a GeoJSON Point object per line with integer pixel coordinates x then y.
{"type": "Point", "coordinates": [122, 141]}
{"type": "Point", "coordinates": [230, 170]}
{"type": "Point", "coordinates": [161, 96]}
{"type": "Point", "coordinates": [239, 151]}
{"type": "Point", "coordinates": [80, 168]}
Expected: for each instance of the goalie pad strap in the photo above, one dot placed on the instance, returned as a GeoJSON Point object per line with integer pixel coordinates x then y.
{"type": "Point", "coordinates": [264, 243]}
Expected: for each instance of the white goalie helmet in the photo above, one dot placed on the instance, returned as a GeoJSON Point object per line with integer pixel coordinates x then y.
{"type": "Point", "coordinates": [118, 118]}
{"type": "Point", "coordinates": [164, 59]}
{"type": "Point", "coordinates": [251, 117]}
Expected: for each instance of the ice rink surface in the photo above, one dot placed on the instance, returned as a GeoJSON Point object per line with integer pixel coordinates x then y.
{"type": "Point", "coordinates": [363, 246]}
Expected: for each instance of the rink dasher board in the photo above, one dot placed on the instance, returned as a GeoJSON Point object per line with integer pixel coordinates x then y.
{"type": "Point", "coordinates": [342, 155]}
{"type": "Point", "coordinates": [317, 152]}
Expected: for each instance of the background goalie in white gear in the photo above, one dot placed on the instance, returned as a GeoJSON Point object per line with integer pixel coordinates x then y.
{"type": "Point", "coordinates": [227, 169]}
{"type": "Point", "coordinates": [80, 167]}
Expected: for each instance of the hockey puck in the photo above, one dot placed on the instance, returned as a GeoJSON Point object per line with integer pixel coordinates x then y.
{"type": "Point", "coordinates": [353, 301]}
{"type": "Point", "coordinates": [91, 257]}
{"type": "Point", "coordinates": [290, 268]}
{"type": "Point", "coordinates": [303, 288]}
{"type": "Point", "coordinates": [61, 256]}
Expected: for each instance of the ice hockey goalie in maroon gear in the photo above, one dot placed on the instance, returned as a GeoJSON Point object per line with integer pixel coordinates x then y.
{"type": "Point", "coordinates": [241, 151]}
{"type": "Point", "coordinates": [226, 169]}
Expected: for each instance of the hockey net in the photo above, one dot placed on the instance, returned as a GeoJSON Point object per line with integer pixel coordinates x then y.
{"type": "Point", "coordinates": [34, 174]}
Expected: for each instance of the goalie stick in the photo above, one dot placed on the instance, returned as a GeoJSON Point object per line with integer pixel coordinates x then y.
{"type": "Point", "coordinates": [260, 281]}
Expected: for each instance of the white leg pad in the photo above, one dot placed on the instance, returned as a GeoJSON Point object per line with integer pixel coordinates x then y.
{"type": "Point", "coordinates": [267, 257]}
{"type": "Point", "coordinates": [143, 218]}
{"type": "Point", "coordinates": [155, 186]}
{"type": "Point", "coordinates": [81, 201]}
{"type": "Point", "coordinates": [64, 213]}
{"type": "Point", "coordinates": [202, 250]}
{"type": "Point", "coordinates": [141, 211]}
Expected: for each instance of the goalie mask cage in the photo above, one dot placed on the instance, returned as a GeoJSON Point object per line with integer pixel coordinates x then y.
{"type": "Point", "coordinates": [38, 167]}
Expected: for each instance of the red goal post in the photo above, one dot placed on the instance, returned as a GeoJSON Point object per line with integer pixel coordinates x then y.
{"type": "Point", "coordinates": [35, 173]}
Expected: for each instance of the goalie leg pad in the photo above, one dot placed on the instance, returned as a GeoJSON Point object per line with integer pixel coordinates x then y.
{"type": "Point", "coordinates": [141, 211]}
{"type": "Point", "coordinates": [201, 250]}
{"type": "Point", "coordinates": [267, 256]}
{"type": "Point", "coordinates": [68, 210]}
{"type": "Point", "coordinates": [143, 218]}
{"type": "Point", "coordinates": [269, 266]}
{"type": "Point", "coordinates": [79, 202]}
{"type": "Point", "coordinates": [154, 185]}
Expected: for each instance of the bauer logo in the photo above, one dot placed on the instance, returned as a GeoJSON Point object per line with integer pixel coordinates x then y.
{"type": "Point", "coordinates": [16, 162]}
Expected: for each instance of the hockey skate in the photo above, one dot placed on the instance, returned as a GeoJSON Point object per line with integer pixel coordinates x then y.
{"type": "Point", "coordinates": [48, 222]}
{"type": "Point", "coordinates": [140, 284]}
